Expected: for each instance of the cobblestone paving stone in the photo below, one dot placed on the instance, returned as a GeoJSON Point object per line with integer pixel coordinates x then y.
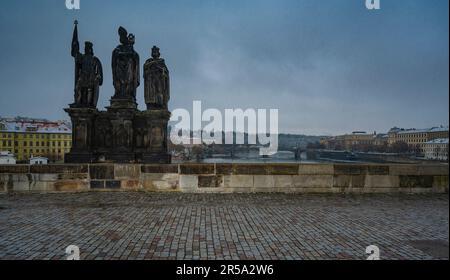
{"type": "Point", "coordinates": [139, 225]}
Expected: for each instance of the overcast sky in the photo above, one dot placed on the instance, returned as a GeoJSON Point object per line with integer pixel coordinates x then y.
{"type": "Point", "coordinates": [329, 66]}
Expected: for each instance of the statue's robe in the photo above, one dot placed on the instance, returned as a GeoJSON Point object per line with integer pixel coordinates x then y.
{"type": "Point", "coordinates": [157, 83]}
{"type": "Point", "coordinates": [125, 67]}
{"type": "Point", "coordinates": [89, 73]}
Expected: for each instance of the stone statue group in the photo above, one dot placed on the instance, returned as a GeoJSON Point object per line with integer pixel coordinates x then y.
{"type": "Point", "coordinates": [121, 133]}
{"type": "Point", "coordinates": [125, 72]}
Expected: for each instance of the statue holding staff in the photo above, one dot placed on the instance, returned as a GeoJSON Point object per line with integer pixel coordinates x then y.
{"type": "Point", "coordinates": [88, 73]}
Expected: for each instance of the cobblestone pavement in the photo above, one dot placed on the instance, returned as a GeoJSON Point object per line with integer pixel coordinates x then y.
{"type": "Point", "coordinates": [251, 226]}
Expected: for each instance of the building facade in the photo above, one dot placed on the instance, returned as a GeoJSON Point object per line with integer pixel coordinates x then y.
{"type": "Point", "coordinates": [417, 138]}
{"type": "Point", "coordinates": [358, 140]}
{"type": "Point", "coordinates": [437, 149]}
{"type": "Point", "coordinates": [26, 138]}
{"type": "Point", "coordinates": [38, 160]}
{"type": "Point", "coordinates": [7, 158]}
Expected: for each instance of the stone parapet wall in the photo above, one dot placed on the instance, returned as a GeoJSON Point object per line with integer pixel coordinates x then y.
{"type": "Point", "coordinates": [226, 178]}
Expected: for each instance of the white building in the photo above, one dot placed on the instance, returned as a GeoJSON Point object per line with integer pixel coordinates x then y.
{"type": "Point", "coordinates": [437, 149]}
{"type": "Point", "coordinates": [38, 160]}
{"type": "Point", "coordinates": [7, 158]}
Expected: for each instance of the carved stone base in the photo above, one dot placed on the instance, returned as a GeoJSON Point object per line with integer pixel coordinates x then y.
{"type": "Point", "coordinates": [121, 157]}
{"type": "Point", "coordinates": [122, 135]}
{"type": "Point", "coordinates": [117, 103]}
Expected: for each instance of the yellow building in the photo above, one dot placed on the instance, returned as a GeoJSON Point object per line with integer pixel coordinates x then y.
{"type": "Point", "coordinates": [355, 141]}
{"type": "Point", "coordinates": [30, 137]}
{"type": "Point", "coordinates": [417, 138]}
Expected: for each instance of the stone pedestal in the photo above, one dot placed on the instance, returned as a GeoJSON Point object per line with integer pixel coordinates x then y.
{"type": "Point", "coordinates": [122, 103]}
{"type": "Point", "coordinates": [151, 136]}
{"type": "Point", "coordinates": [121, 134]}
{"type": "Point", "coordinates": [83, 122]}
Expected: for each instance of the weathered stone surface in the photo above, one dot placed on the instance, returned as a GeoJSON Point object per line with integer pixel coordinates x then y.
{"type": "Point", "coordinates": [251, 169]}
{"type": "Point", "coordinates": [350, 169]}
{"type": "Point", "coordinates": [381, 190]}
{"type": "Point", "coordinates": [382, 181]}
{"type": "Point", "coordinates": [283, 169]}
{"type": "Point", "coordinates": [42, 186]}
{"type": "Point", "coordinates": [127, 171]}
{"type": "Point", "coordinates": [159, 168]}
{"type": "Point", "coordinates": [257, 169]}
{"type": "Point", "coordinates": [432, 170]}
{"type": "Point", "coordinates": [403, 169]}
{"type": "Point", "coordinates": [378, 170]}
{"type": "Point", "coordinates": [60, 168]}
{"type": "Point", "coordinates": [73, 176]}
{"type": "Point", "coordinates": [224, 168]}
{"type": "Point", "coordinates": [200, 178]}
{"type": "Point", "coordinates": [19, 186]}
{"type": "Point", "coordinates": [101, 172]}
{"type": "Point", "coordinates": [244, 169]}
{"type": "Point", "coordinates": [112, 184]}
{"type": "Point", "coordinates": [44, 177]}
{"type": "Point", "coordinates": [440, 181]}
{"type": "Point", "coordinates": [283, 182]}
{"type": "Point", "coordinates": [14, 169]}
{"type": "Point", "coordinates": [16, 177]}
{"type": "Point", "coordinates": [238, 181]}
{"type": "Point", "coordinates": [212, 181]}
{"type": "Point", "coordinates": [318, 190]}
{"type": "Point", "coordinates": [349, 181]}
{"type": "Point", "coordinates": [71, 186]}
{"type": "Point", "coordinates": [196, 169]}
{"type": "Point", "coordinates": [131, 184]}
{"type": "Point", "coordinates": [262, 182]}
{"type": "Point", "coordinates": [409, 181]}
{"type": "Point", "coordinates": [313, 181]}
{"type": "Point", "coordinates": [316, 169]}
{"type": "Point", "coordinates": [160, 181]}
{"type": "Point", "coordinates": [355, 169]}
{"type": "Point", "coordinates": [97, 184]}
{"type": "Point", "coordinates": [188, 182]}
